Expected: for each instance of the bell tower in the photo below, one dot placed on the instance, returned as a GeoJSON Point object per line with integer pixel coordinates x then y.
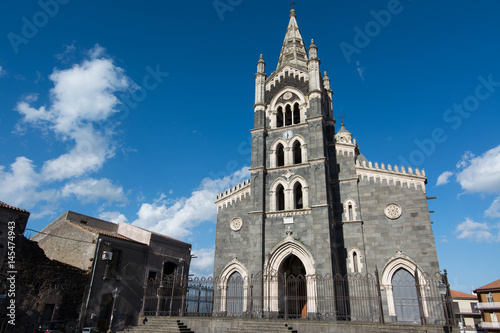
{"type": "Point", "coordinates": [292, 147]}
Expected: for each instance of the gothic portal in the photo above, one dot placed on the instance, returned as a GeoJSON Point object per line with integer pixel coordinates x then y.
{"type": "Point", "coordinates": [315, 206]}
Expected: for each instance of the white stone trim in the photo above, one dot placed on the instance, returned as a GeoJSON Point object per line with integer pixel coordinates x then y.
{"type": "Point", "coordinates": [395, 263]}
{"type": "Point", "coordinates": [237, 193]}
{"type": "Point", "coordinates": [378, 173]}
{"type": "Point", "coordinates": [354, 210]}
{"type": "Point", "coordinates": [350, 260]}
{"type": "Point", "coordinates": [279, 253]}
{"type": "Point", "coordinates": [288, 186]}
{"type": "Point", "coordinates": [278, 76]}
{"type": "Point", "coordinates": [288, 151]}
{"type": "Point", "coordinates": [232, 267]}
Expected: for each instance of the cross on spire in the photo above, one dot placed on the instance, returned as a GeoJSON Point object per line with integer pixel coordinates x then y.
{"type": "Point", "coordinates": [293, 3]}
{"type": "Point", "coordinates": [342, 117]}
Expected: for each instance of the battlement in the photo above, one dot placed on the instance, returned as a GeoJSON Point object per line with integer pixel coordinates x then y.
{"type": "Point", "coordinates": [276, 77]}
{"type": "Point", "coordinates": [393, 176]}
{"type": "Point", "coordinates": [236, 193]}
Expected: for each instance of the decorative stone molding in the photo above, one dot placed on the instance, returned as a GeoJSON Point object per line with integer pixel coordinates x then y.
{"type": "Point", "coordinates": [237, 193]}
{"type": "Point", "coordinates": [350, 260]}
{"type": "Point", "coordinates": [285, 213]}
{"type": "Point", "coordinates": [236, 224]}
{"type": "Point", "coordinates": [351, 215]}
{"type": "Point", "coordinates": [376, 173]}
{"type": "Point", "coordinates": [276, 77]}
{"type": "Point", "coordinates": [393, 211]}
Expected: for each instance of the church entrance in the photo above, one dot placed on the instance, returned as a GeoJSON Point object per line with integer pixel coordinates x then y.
{"type": "Point", "coordinates": [292, 288]}
{"type": "Point", "coordinates": [234, 296]}
{"type": "Point", "coordinates": [405, 296]}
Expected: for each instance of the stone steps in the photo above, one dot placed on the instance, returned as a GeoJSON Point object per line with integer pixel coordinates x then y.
{"type": "Point", "coordinates": [259, 327]}
{"type": "Point", "coordinates": [160, 325]}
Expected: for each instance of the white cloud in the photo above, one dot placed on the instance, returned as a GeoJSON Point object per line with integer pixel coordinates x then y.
{"type": "Point", "coordinates": [90, 190]}
{"type": "Point", "coordinates": [2, 71]}
{"type": "Point", "coordinates": [475, 231]}
{"type": "Point", "coordinates": [466, 158]}
{"type": "Point", "coordinates": [481, 174]}
{"type": "Point", "coordinates": [444, 178]}
{"type": "Point", "coordinates": [203, 265]}
{"type": "Point", "coordinates": [20, 185]}
{"type": "Point", "coordinates": [81, 102]}
{"type": "Point", "coordinates": [83, 95]}
{"type": "Point", "coordinates": [176, 219]}
{"type": "Point", "coordinates": [115, 217]}
{"type": "Point", "coordinates": [494, 209]}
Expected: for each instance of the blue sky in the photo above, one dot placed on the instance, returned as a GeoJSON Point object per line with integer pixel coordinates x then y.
{"type": "Point", "coordinates": [141, 112]}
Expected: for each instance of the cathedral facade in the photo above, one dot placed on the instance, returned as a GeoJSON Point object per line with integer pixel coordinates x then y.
{"type": "Point", "coordinates": [314, 205]}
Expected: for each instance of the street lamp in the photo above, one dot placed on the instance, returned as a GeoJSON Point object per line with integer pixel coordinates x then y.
{"type": "Point", "coordinates": [115, 294]}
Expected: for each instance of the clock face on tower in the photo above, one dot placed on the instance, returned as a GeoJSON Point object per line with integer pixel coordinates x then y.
{"type": "Point", "coordinates": [287, 134]}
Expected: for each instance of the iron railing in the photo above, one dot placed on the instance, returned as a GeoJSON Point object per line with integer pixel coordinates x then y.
{"type": "Point", "coordinates": [353, 297]}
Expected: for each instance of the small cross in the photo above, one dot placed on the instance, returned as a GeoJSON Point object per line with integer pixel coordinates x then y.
{"type": "Point", "coordinates": [293, 3]}
{"type": "Point", "coordinates": [342, 117]}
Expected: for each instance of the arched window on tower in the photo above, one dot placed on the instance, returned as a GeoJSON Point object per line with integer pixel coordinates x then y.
{"type": "Point", "coordinates": [351, 217]}
{"type": "Point", "coordinates": [297, 153]}
{"type": "Point", "coordinates": [296, 113]}
{"type": "Point", "coordinates": [279, 117]}
{"type": "Point", "coordinates": [297, 191]}
{"type": "Point", "coordinates": [288, 116]}
{"type": "Point", "coordinates": [280, 197]}
{"type": "Point", "coordinates": [280, 155]}
{"type": "Point", "coordinates": [355, 262]}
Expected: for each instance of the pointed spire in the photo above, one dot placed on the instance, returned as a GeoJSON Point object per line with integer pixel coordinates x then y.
{"type": "Point", "coordinates": [293, 51]}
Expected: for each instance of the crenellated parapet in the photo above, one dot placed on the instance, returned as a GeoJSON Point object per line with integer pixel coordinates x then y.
{"type": "Point", "coordinates": [393, 176]}
{"type": "Point", "coordinates": [286, 71]}
{"type": "Point", "coordinates": [234, 194]}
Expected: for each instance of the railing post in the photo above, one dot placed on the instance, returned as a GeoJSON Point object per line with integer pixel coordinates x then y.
{"type": "Point", "coordinates": [286, 296]}
{"type": "Point", "coordinates": [251, 296]}
{"type": "Point", "coordinates": [158, 295]}
{"type": "Point", "coordinates": [379, 295]}
{"type": "Point", "coordinates": [419, 298]}
{"type": "Point", "coordinates": [198, 303]}
{"type": "Point", "coordinates": [184, 290]}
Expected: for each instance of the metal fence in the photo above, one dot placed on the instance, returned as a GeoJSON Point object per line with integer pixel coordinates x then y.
{"type": "Point", "coordinates": [353, 297]}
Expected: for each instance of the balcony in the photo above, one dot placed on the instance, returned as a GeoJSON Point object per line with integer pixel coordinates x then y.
{"type": "Point", "coordinates": [488, 305]}
{"type": "Point", "coordinates": [490, 325]}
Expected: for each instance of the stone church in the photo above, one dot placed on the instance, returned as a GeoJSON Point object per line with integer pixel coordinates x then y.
{"type": "Point", "coordinates": [314, 205]}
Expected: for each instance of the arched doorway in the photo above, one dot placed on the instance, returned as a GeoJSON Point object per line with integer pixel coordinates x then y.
{"type": "Point", "coordinates": [234, 295]}
{"type": "Point", "coordinates": [405, 296]}
{"type": "Point", "coordinates": [293, 286]}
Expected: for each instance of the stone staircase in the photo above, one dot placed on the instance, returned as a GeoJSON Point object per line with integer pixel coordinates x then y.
{"type": "Point", "coordinates": [159, 325]}
{"type": "Point", "coordinates": [262, 326]}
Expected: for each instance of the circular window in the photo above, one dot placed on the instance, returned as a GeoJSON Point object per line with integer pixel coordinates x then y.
{"type": "Point", "coordinates": [236, 224]}
{"type": "Point", "coordinates": [393, 211]}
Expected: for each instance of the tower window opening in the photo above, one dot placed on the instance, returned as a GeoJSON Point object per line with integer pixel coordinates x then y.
{"type": "Point", "coordinates": [350, 212]}
{"type": "Point", "coordinates": [279, 117]}
{"type": "Point", "coordinates": [355, 262]}
{"type": "Point", "coordinates": [288, 116]}
{"type": "Point", "coordinates": [280, 155]}
{"type": "Point", "coordinates": [280, 197]}
{"type": "Point", "coordinates": [298, 196]}
{"type": "Point", "coordinates": [296, 114]}
{"type": "Point", "coordinates": [297, 153]}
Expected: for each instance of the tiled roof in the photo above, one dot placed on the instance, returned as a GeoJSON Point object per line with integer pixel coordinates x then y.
{"type": "Point", "coordinates": [4, 205]}
{"type": "Point", "coordinates": [100, 231]}
{"type": "Point", "coordinates": [495, 285]}
{"type": "Point", "coordinates": [459, 294]}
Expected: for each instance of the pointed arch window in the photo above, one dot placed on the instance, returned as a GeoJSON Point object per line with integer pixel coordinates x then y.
{"type": "Point", "coordinates": [298, 196]}
{"type": "Point", "coordinates": [280, 155]}
{"type": "Point", "coordinates": [288, 116]}
{"type": "Point", "coordinates": [297, 153]}
{"type": "Point", "coordinates": [279, 117]}
{"type": "Point", "coordinates": [296, 113]}
{"type": "Point", "coordinates": [355, 261]}
{"type": "Point", "coordinates": [280, 197]}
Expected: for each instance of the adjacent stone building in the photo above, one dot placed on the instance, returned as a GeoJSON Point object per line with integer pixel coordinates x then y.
{"type": "Point", "coordinates": [117, 258]}
{"type": "Point", "coordinates": [315, 206]}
